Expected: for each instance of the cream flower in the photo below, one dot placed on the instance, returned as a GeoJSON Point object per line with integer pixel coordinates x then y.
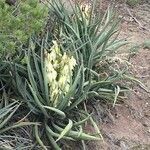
{"type": "Point", "coordinates": [85, 11]}
{"type": "Point", "coordinates": [59, 70]}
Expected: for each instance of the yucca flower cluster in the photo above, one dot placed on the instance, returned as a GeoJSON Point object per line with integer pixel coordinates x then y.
{"type": "Point", "coordinates": [59, 71]}
{"type": "Point", "coordinates": [85, 11]}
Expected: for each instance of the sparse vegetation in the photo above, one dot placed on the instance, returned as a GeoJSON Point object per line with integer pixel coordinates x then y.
{"type": "Point", "coordinates": [60, 73]}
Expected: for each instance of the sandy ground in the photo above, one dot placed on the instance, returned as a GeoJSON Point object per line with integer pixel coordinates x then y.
{"type": "Point", "coordinates": [127, 126]}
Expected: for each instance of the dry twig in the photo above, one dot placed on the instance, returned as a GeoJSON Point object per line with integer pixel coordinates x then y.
{"type": "Point", "coordinates": [135, 19]}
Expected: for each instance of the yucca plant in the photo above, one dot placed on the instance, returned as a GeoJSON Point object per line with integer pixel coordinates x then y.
{"type": "Point", "coordinates": [11, 120]}
{"type": "Point", "coordinates": [60, 75]}
{"type": "Point", "coordinates": [53, 96]}
{"type": "Point", "coordinates": [92, 34]}
{"type": "Point", "coordinates": [92, 39]}
{"type": "Point", "coordinates": [7, 113]}
{"type": "Point", "coordinates": [55, 89]}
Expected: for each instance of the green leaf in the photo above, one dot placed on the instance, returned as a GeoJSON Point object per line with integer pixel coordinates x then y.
{"type": "Point", "coordinates": [53, 134]}
{"type": "Point", "coordinates": [38, 138]}
{"type": "Point", "coordinates": [66, 130]}
{"type": "Point", "coordinates": [77, 135]}
{"type": "Point", "coordinates": [5, 120]}
{"type": "Point", "coordinates": [57, 111]}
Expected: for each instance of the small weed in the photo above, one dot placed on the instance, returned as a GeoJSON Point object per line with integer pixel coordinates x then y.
{"type": "Point", "coordinates": [146, 44]}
